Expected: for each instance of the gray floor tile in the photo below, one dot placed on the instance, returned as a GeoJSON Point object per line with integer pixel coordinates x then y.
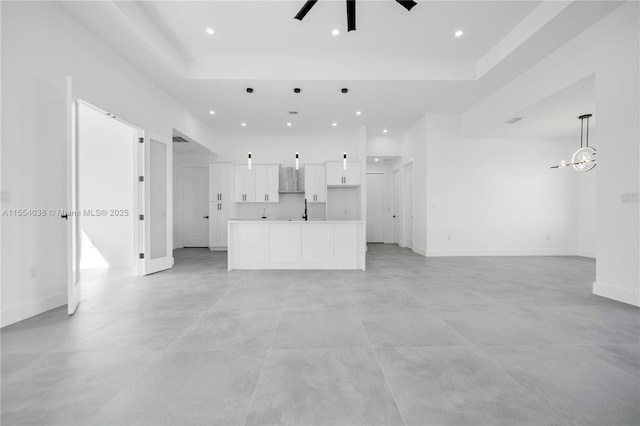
{"type": "Point", "coordinates": [576, 383]}
{"type": "Point", "coordinates": [625, 356]}
{"type": "Point", "coordinates": [187, 388]}
{"type": "Point", "coordinates": [229, 330]}
{"type": "Point", "coordinates": [145, 331]}
{"type": "Point", "coordinates": [410, 330]}
{"type": "Point", "coordinates": [323, 387]}
{"type": "Point", "coordinates": [458, 386]}
{"type": "Point", "coordinates": [67, 388]}
{"type": "Point", "coordinates": [475, 340]}
{"type": "Point", "coordinates": [319, 330]}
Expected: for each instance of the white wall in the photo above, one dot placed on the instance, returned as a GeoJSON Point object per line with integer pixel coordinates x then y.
{"type": "Point", "coordinates": [106, 179]}
{"type": "Point", "coordinates": [497, 196]}
{"type": "Point", "coordinates": [42, 45]}
{"type": "Point", "coordinates": [414, 150]}
{"type": "Point", "coordinates": [610, 51]}
{"type": "Point", "coordinates": [281, 149]}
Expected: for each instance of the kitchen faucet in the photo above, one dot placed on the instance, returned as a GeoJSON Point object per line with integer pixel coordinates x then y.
{"type": "Point", "coordinates": [305, 216]}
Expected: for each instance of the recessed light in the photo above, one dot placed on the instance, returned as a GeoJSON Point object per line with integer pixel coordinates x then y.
{"type": "Point", "coordinates": [334, 124]}
{"type": "Point", "coordinates": [289, 124]}
{"type": "Point", "coordinates": [210, 31]}
{"type": "Point", "coordinates": [358, 112]}
{"type": "Point", "coordinates": [243, 124]}
{"type": "Point", "coordinates": [212, 112]}
{"type": "Point", "coordinates": [376, 160]}
{"type": "Point", "coordinates": [459, 33]}
{"type": "Point", "coordinates": [385, 131]}
{"type": "Point", "coordinates": [335, 32]}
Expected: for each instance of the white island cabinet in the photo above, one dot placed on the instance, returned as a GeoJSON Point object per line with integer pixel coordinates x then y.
{"type": "Point", "coordinates": [296, 244]}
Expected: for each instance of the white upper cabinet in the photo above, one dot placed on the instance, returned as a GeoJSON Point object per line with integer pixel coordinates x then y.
{"type": "Point", "coordinates": [244, 181]}
{"type": "Point", "coordinates": [267, 183]}
{"type": "Point", "coordinates": [338, 176]}
{"type": "Point", "coordinates": [258, 185]}
{"type": "Point", "coordinates": [220, 182]}
{"type": "Point", "coordinates": [315, 185]}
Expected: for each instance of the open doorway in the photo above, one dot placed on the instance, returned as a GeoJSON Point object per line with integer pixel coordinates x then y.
{"type": "Point", "coordinates": [107, 197]}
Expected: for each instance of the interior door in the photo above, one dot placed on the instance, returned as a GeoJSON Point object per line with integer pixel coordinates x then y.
{"type": "Point", "coordinates": [156, 220]}
{"type": "Point", "coordinates": [195, 206]}
{"type": "Point", "coordinates": [73, 244]}
{"type": "Point", "coordinates": [375, 207]}
{"type": "Point", "coordinates": [397, 210]}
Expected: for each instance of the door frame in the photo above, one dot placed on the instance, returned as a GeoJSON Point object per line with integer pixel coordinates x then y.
{"type": "Point", "coordinates": [397, 206]}
{"type": "Point", "coordinates": [405, 205]}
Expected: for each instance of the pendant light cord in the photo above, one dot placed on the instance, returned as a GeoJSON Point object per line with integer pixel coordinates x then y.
{"type": "Point", "coordinates": [581, 130]}
{"type": "Point", "coordinates": [587, 131]}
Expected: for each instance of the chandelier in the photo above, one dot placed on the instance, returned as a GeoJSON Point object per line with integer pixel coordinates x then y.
{"type": "Point", "coordinates": [584, 159]}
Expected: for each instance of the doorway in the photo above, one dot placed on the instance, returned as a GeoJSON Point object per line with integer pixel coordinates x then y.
{"type": "Point", "coordinates": [107, 159]}
{"type": "Point", "coordinates": [397, 208]}
{"type": "Point", "coordinates": [119, 193]}
{"type": "Point", "coordinates": [195, 206]}
{"type": "Point", "coordinates": [375, 207]}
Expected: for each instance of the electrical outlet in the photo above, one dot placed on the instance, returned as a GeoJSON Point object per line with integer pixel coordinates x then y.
{"type": "Point", "coordinates": [449, 237]}
{"type": "Point", "coordinates": [548, 238]}
{"type": "Point", "coordinates": [629, 198]}
{"type": "Point", "coordinates": [33, 272]}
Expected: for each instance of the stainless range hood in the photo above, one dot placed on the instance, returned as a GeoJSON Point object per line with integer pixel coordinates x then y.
{"type": "Point", "coordinates": [291, 180]}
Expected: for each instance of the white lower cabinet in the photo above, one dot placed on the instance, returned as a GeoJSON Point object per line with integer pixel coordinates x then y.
{"type": "Point", "coordinates": [218, 218]}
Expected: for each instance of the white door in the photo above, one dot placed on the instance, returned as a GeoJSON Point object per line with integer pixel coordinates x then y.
{"type": "Point", "coordinates": [375, 207]}
{"type": "Point", "coordinates": [157, 254]}
{"type": "Point", "coordinates": [397, 210]}
{"type": "Point", "coordinates": [408, 212]}
{"type": "Point", "coordinates": [73, 245]}
{"type": "Point", "coordinates": [195, 206]}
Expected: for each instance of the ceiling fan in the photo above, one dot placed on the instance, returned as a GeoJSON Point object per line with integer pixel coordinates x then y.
{"type": "Point", "coordinates": [351, 11]}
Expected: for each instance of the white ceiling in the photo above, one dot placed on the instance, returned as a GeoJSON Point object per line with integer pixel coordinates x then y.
{"type": "Point", "coordinates": [398, 65]}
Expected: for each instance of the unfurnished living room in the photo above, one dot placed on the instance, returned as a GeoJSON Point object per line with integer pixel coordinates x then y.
{"type": "Point", "coordinates": [334, 212]}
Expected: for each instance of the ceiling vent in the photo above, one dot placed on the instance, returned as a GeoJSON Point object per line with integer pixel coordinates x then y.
{"type": "Point", "coordinates": [293, 112]}
{"type": "Point", "coordinates": [515, 120]}
{"type": "Point", "coordinates": [179, 139]}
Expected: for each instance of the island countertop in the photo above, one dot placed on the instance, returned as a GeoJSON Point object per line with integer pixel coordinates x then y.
{"type": "Point", "coordinates": [293, 221]}
{"type": "Point", "coordinates": [296, 244]}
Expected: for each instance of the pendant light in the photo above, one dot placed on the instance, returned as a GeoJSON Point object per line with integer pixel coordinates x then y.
{"type": "Point", "coordinates": [297, 161]}
{"type": "Point", "coordinates": [249, 161]}
{"type": "Point", "coordinates": [344, 160]}
{"type": "Point", "coordinates": [584, 159]}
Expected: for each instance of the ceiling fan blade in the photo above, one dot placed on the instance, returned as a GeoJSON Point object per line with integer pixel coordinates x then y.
{"type": "Point", "coordinates": [305, 9]}
{"type": "Point", "coordinates": [407, 4]}
{"type": "Point", "coordinates": [351, 15]}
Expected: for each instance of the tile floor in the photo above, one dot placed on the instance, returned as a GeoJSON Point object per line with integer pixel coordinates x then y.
{"type": "Point", "coordinates": [413, 341]}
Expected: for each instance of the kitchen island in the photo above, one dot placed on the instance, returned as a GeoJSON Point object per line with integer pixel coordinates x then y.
{"type": "Point", "coordinates": [296, 244]}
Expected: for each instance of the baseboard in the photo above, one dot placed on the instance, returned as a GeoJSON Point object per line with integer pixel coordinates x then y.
{"type": "Point", "coordinates": [586, 253]}
{"type": "Point", "coordinates": [512, 252]}
{"type": "Point", "coordinates": [30, 309]}
{"type": "Point", "coordinates": [631, 297]}
{"type": "Point", "coordinates": [420, 250]}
